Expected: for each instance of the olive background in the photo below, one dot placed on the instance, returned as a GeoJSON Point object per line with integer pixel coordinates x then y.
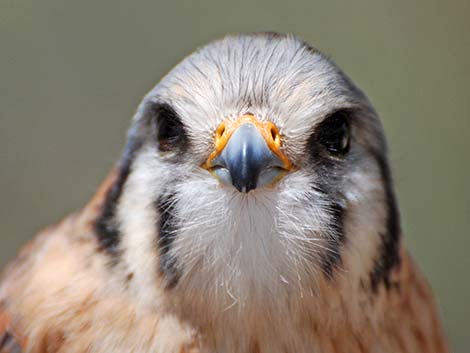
{"type": "Point", "coordinates": [73, 72]}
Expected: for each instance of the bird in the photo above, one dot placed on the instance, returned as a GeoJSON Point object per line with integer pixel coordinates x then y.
{"type": "Point", "coordinates": [252, 211]}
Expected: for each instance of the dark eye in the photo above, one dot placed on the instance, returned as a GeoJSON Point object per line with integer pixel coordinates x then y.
{"type": "Point", "coordinates": [334, 133]}
{"type": "Point", "coordinates": [169, 129]}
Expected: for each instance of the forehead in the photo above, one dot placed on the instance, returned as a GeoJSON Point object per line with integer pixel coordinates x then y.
{"type": "Point", "coordinates": [279, 78]}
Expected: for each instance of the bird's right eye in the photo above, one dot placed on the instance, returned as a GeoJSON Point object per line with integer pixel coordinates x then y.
{"type": "Point", "coordinates": [169, 130]}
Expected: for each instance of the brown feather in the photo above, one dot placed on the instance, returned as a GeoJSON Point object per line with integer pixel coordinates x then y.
{"type": "Point", "coordinates": [62, 295]}
{"type": "Point", "coordinates": [11, 339]}
{"type": "Point", "coordinates": [61, 290]}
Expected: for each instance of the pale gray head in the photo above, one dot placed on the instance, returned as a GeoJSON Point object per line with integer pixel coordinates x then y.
{"type": "Point", "coordinates": [255, 166]}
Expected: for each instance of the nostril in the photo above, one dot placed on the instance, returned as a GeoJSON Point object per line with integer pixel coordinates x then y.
{"type": "Point", "coordinates": [220, 131]}
{"type": "Point", "coordinates": [273, 133]}
{"type": "Point", "coordinates": [275, 136]}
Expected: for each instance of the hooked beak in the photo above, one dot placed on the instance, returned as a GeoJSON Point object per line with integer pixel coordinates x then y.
{"type": "Point", "coordinates": [247, 154]}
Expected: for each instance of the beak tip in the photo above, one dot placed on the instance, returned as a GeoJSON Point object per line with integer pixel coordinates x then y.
{"type": "Point", "coordinates": [244, 188]}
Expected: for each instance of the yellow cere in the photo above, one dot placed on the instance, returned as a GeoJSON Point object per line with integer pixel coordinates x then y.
{"type": "Point", "coordinates": [268, 130]}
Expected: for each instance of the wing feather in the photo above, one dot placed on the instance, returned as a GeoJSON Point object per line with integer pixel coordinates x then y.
{"type": "Point", "coordinates": [10, 339]}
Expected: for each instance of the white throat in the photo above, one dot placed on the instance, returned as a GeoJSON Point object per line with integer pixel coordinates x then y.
{"type": "Point", "coordinates": [244, 261]}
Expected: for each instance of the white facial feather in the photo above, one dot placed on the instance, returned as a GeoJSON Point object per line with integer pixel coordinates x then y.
{"type": "Point", "coordinates": [234, 251]}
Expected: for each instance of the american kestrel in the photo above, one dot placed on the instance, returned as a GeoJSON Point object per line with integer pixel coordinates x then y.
{"type": "Point", "coordinates": [252, 211]}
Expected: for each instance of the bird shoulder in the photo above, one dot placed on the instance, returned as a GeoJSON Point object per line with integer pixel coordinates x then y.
{"type": "Point", "coordinates": [63, 294]}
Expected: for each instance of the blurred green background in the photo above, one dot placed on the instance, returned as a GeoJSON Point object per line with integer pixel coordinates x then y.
{"type": "Point", "coordinates": [72, 73]}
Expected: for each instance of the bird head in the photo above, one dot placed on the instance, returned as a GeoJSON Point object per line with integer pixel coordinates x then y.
{"type": "Point", "coordinates": [254, 167]}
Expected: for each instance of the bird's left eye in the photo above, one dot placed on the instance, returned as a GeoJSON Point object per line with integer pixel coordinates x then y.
{"type": "Point", "coordinates": [334, 133]}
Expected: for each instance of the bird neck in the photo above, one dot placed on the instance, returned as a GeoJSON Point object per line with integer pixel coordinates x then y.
{"type": "Point", "coordinates": [291, 316]}
{"type": "Point", "coordinates": [337, 317]}
{"type": "Point", "coordinates": [292, 320]}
